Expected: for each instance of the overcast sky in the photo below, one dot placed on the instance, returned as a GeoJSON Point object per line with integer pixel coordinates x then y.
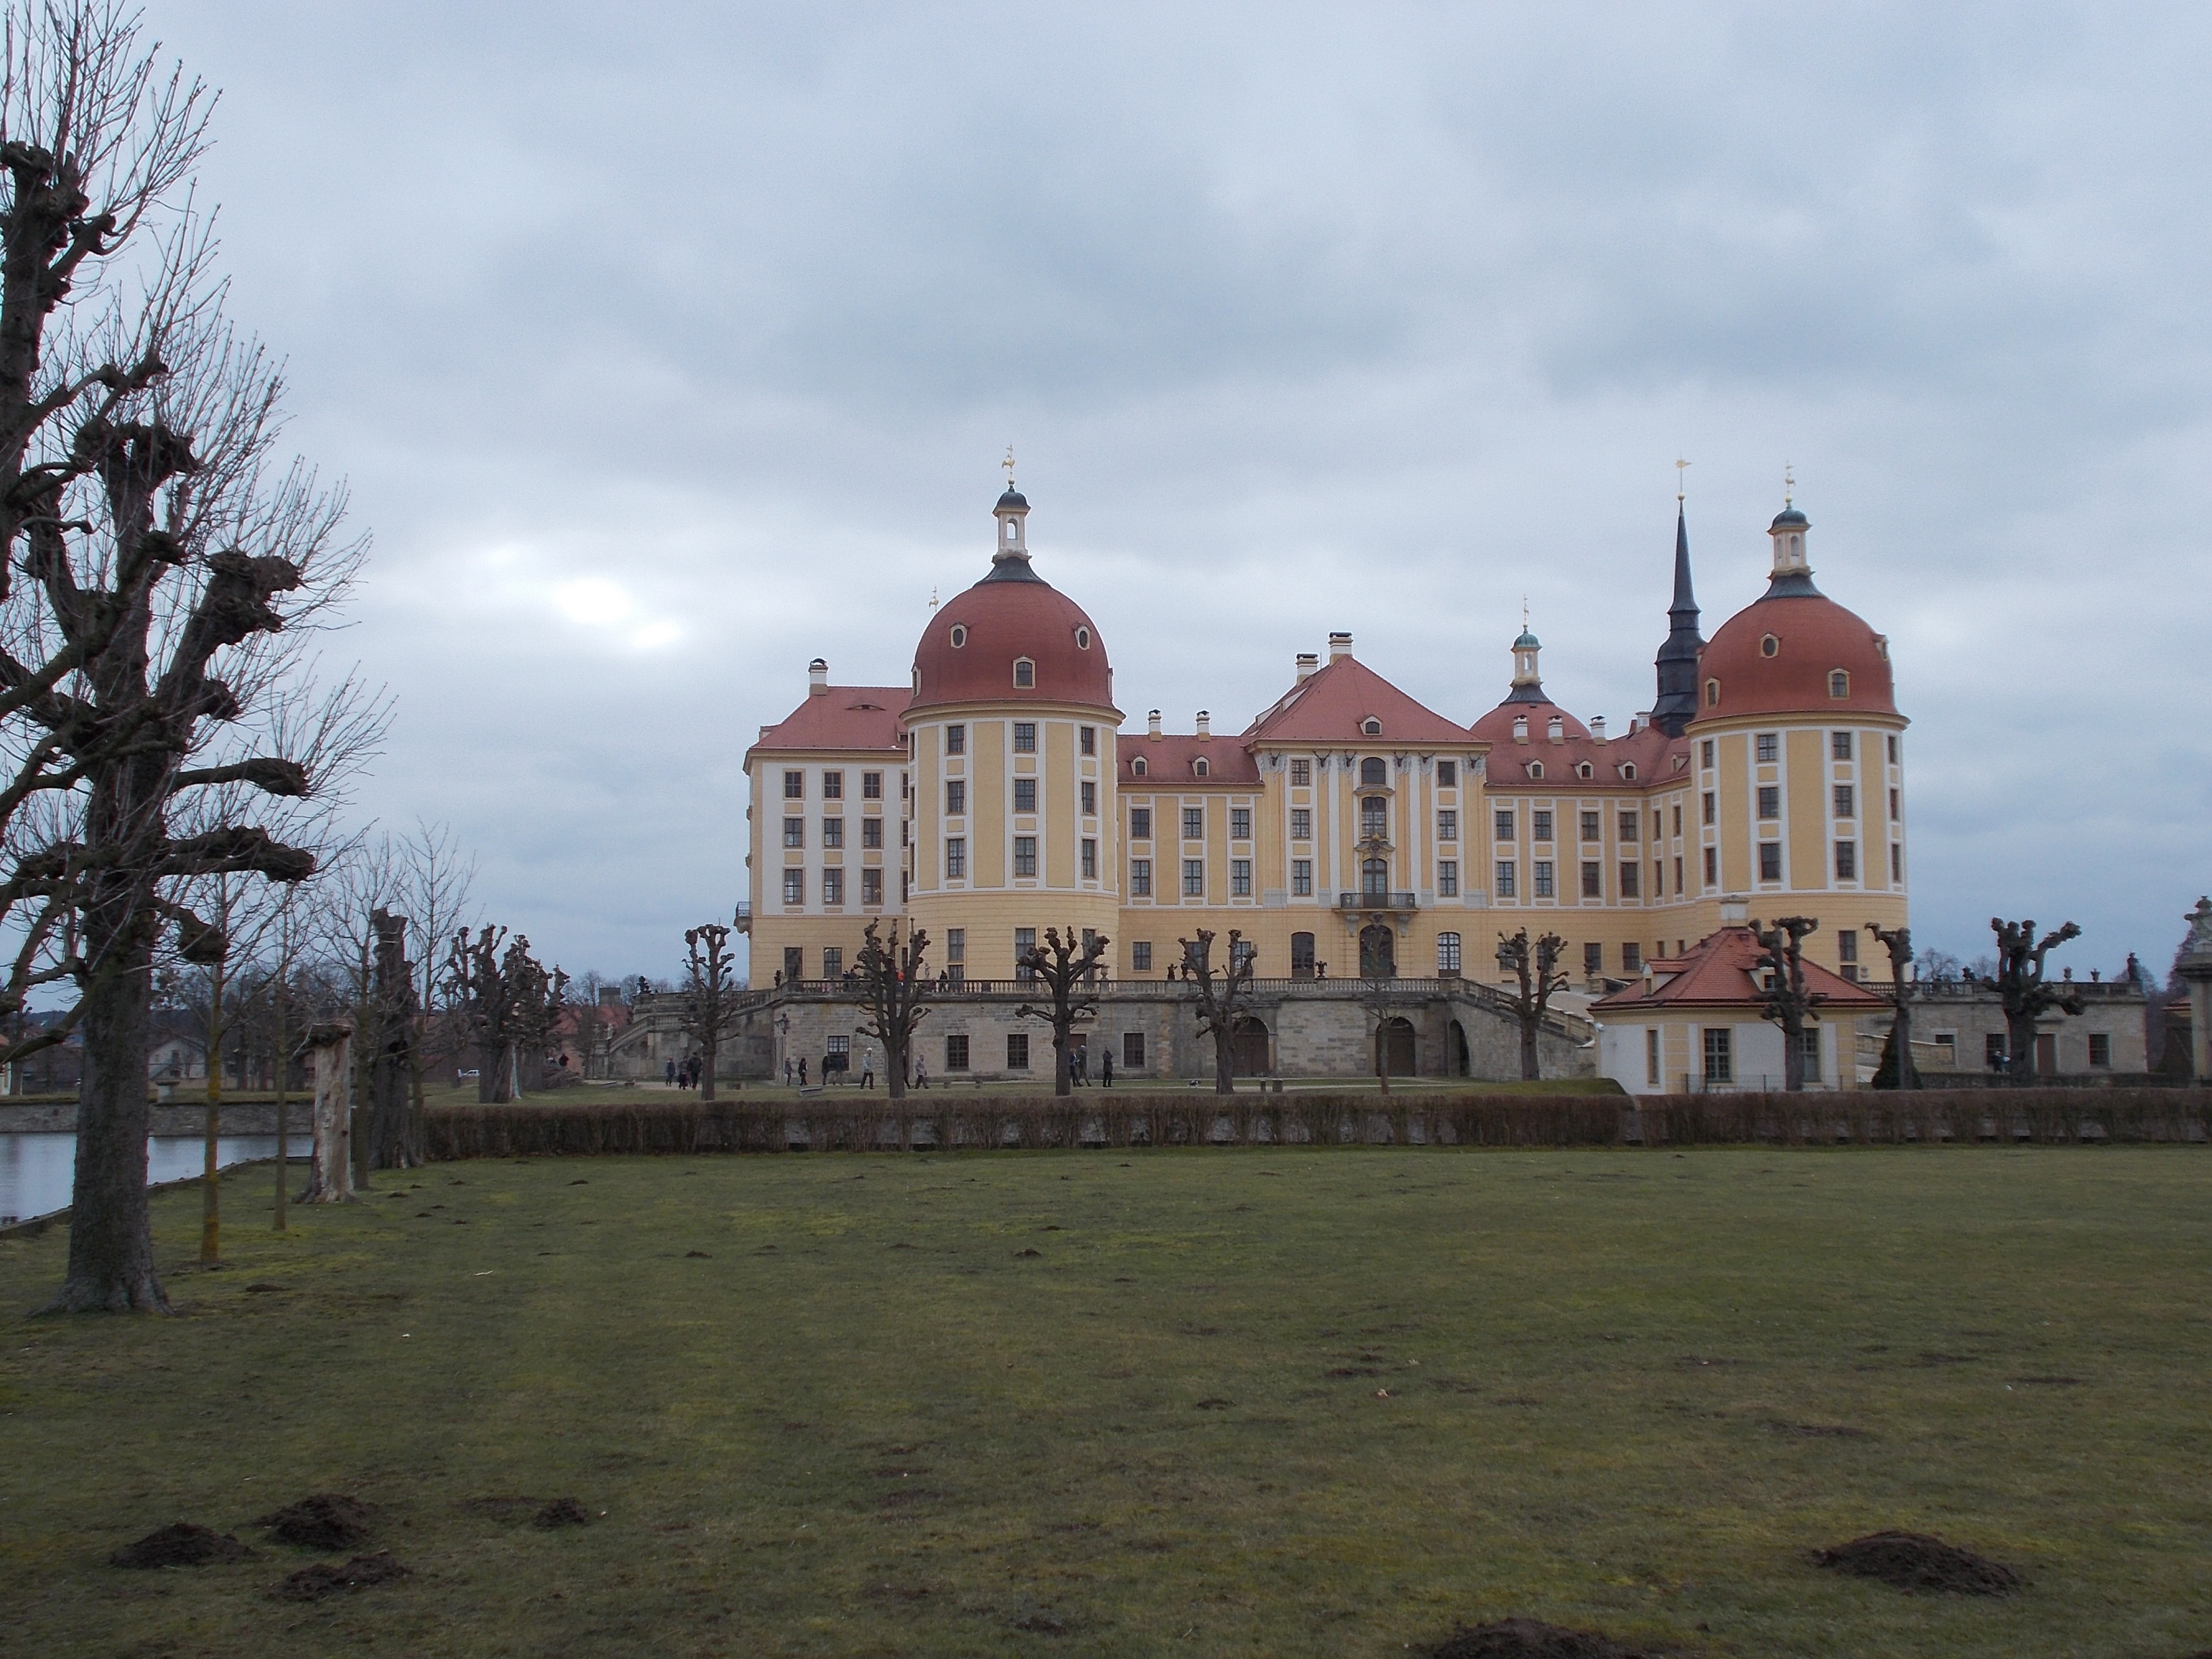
{"type": "Point", "coordinates": [668, 347]}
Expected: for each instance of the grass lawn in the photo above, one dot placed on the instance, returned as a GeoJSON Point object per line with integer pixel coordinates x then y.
{"type": "Point", "coordinates": [1257, 1401]}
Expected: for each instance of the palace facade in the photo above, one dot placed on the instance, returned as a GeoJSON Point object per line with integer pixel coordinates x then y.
{"type": "Point", "coordinates": [1348, 832]}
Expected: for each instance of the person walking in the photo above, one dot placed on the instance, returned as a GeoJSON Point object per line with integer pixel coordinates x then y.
{"type": "Point", "coordinates": [802, 1072]}
{"type": "Point", "coordinates": [670, 1073]}
{"type": "Point", "coordinates": [1106, 1069]}
{"type": "Point", "coordinates": [787, 1071]}
{"type": "Point", "coordinates": [867, 1068]}
{"type": "Point", "coordinates": [920, 1073]}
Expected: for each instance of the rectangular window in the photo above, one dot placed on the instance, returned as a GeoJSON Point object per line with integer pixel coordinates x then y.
{"type": "Point", "coordinates": [1086, 739]}
{"type": "Point", "coordinates": [1193, 878]}
{"type": "Point", "coordinates": [1720, 1055]}
{"type": "Point", "coordinates": [1590, 822]}
{"type": "Point", "coordinates": [1896, 862]}
{"type": "Point", "coordinates": [1769, 861]}
{"type": "Point", "coordinates": [1504, 826]}
{"type": "Point", "coordinates": [956, 739]}
{"type": "Point", "coordinates": [1448, 878]}
{"type": "Point", "coordinates": [1713, 867]}
{"type": "Point", "coordinates": [1628, 870]}
{"type": "Point", "coordinates": [1025, 737]}
{"type": "Point", "coordinates": [1301, 878]}
{"type": "Point", "coordinates": [1632, 958]}
{"type": "Point", "coordinates": [1504, 878]}
{"type": "Point", "coordinates": [1678, 818]}
{"type": "Point", "coordinates": [1025, 855]}
{"type": "Point", "coordinates": [1839, 745]}
{"type": "Point", "coordinates": [1655, 823]}
{"type": "Point", "coordinates": [1141, 878]}
{"type": "Point", "coordinates": [955, 799]}
{"type": "Point", "coordinates": [2100, 1049]}
{"type": "Point", "coordinates": [956, 857]}
{"type": "Point", "coordinates": [833, 832]}
{"type": "Point", "coordinates": [871, 786]}
{"type": "Point", "coordinates": [1447, 953]}
{"type": "Point", "coordinates": [1847, 946]}
{"type": "Point", "coordinates": [833, 886]}
{"type": "Point", "coordinates": [1374, 818]}
{"type": "Point", "coordinates": [794, 887]}
{"type": "Point", "coordinates": [1141, 956]}
{"type": "Point", "coordinates": [1678, 875]}
{"type": "Point", "coordinates": [1448, 826]}
{"type": "Point", "coordinates": [1542, 826]}
{"type": "Point", "coordinates": [956, 1052]}
{"type": "Point", "coordinates": [1845, 801]}
{"type": "Point", "coordinates": [1768, 746]}
{"type": "Point", "coordinates": [1447, 775]}
{"type": "Point", "coordinates": [1706, 754]}
{"type": "Point", "coordinates": [1132, 1049]}
{"type": "Point", "coordinates": [833, 786]}
{"type": "Point", "coordinates": [1593, 879]}
{"type": "Point", "coordinates": [794, 963]}
{"type": "Point", "coordinates": [794, 786]}
{"type": "Point", "coordinates": [1593, 960]}
{"type": "Point", "coordinates": [1140, 823]}
{"type": "Point", "coordinates": [1301, 772]}
{"type": "Point", "coordinates": [1090, 800]}
{"type": "Point", "coordinates": [1025, 942]}
{"type": "Point", "coordinates": [955, 944]}
{"type": "Point", "coordinates": [1770, 801]}
{"type": "Point", "coordinates": [872, 833]}
{"type": "Point", "coordinates": [1017, 1051]}
{"type": "Point", "coordinates": [1628, 826]}
{"type": "Point", "coordinates": [833, 962]}
{"type": "Point", "coordinates": [1892, 806]}
{"type": "Point", "coordinates": [1993, 1051]}
{"type": "Point", "coordinates": [1847, 861]}
{"type": "Point", "coordinates": [1809, 1041]}
{"type": "Point", "coordinates": [1542, 877]}
{"type": "Point", "coordinates": [1301, 823]}
{"type": "Point", "coordinates": [1025, 794]}
{"type": "Point", "coordinates": [1650, 1057]}
{"type": "Point", "coordinates": [794, 832]}
{"type": "Point", "coordinates": [1089, 858]}
{"type": "Point", "coordinates": [1712, 807]}
{"type": "Point", "coordinates": [871, 886]}
{"type": "Point", "coordinates": [1892, 751]}
{"type": "Point", "coordinates": [1240, 879]}
{"type": "Point", "coordinates": [1194, 823]}
{"type": "Point", "coordinates": [1240, 823]}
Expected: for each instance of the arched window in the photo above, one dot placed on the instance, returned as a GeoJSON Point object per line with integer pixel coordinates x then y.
{"type": "Point", "coordinates": [1024, 673]}
{"type": "Point", "coordinates": [1447, 953]}
{"type": "Point", "coordinates": [1712, 694]}
{"type": "Point", "coordinates": [1536, 770]}
{"type": "Point", "coordinates": [1628, 771]}
{"type": "Point", "coordinates": [1010, 529]}
{"type": "Point", "coordinates": [1137, 767]}
{"type": "Point", "coordinates": [1371, 726]}
{"type": "Point", "coordinates": [1583, 769]}
{"type": "Point", "coordinates": [1198, 768]}
{"type": "Point", "coordinates": [1768, 646]}
{"type": "Point", "coordinates": [1374, 773]}
{"type": "Point", "coordinates": [1839, 683]}
{"type": "Point", "coordinates": [959, 636]}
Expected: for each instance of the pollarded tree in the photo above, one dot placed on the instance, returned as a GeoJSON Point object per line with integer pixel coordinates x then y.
{"type": "Point", "coordinates": [892, 982]}
{"type": "Point", "coordinates": [1221, 997]}
{"type": "Point", "coordinates": [1534, 964]}
{"type": "Point", "coordinates": [505, 1005]}
{"type": "Point", "coordinates": [2021, 989]}
{"type": "Point", "coordinates": [1897, 1070]}
{"type": "Point", "coordinates": [1782, 995]}
{"type": "Point", "coordinates": [709, 994]}
{"type": "Point", "coordinates": [1068, 967]}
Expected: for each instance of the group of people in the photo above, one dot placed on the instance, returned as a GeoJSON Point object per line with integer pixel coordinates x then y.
{"type": "Point", "coordinates": [794, 1073]}
{"type": "Point", "coordinates": [680, 1074]}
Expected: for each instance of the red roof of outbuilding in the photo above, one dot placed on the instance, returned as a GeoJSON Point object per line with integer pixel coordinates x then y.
{"type": "Point", "coordinates": [845, 717]}
{"type": "Point", "coordinates": [1012, 613]}
{"type": "Point", "coordinates": [1720, 972]}
{"type": "Point", "coordinates": [1813, 637]}
{"type": "Point", "coordinates": [1329, 705]}
{"type": "Point", "coordinates": [1168, 761]}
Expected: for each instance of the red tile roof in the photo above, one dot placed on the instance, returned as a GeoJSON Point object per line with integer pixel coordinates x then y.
{"type": "Point", "coordinates": [1329, 705]}
{"type": "Point", "coordinates": [1718, 972]}
{"type": "Point", "coordinates": [1168, 762]}
{"type": "Point", "coordinates": [1651, 751]}
{"type": "Point", "coordinates": [845, 717]}
{"type": "Point", "coordinates": [1813, 637]}
{"type": "Point", "coordinates": [1011, 614]}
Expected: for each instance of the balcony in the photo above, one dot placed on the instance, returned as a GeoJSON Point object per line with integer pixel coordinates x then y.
{"type": "Point", "coordinates": [1377, 901]}
{"type": "Point", "coordinates": [744, 916]}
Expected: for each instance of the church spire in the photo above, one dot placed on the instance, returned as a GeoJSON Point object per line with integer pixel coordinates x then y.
{"type": "Point", "coordinates": [1676, 705]}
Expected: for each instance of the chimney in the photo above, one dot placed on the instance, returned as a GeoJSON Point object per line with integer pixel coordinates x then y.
{"type": "Point", "coordinates": [1205, 726]}
{"type": "Point", "coordinates": [817, 678]}
{"type": "Point", "coordinates": [1597, 728]}
{"type": "Point", "coordinates": [1340, 647]}
{"type": "Point", "coordinates": [1734, 912]}
{"type": "Point", "coordinates": [1556, 729]}
{"type": "Point", "coordinates": [1152, 726]}
{"type": "Point", "coordinates": [611, 996]}
{"type": "Point", "coordinates": [1519, 728]}
{"type": "Point", "coordinates": [1637, 721]}
{"type": "Point", "coordinates": [1307, 663]}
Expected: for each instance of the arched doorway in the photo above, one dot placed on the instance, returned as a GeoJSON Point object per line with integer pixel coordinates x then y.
{"type": "Point", "coordinates": [1396, 1041]}
{"type": "Point", "coordinates": [1248, 1048]}
{"type": "Point", "coordinates": [1462, 1062]}
{"type": "Point", "coordinates": [1378, 952]}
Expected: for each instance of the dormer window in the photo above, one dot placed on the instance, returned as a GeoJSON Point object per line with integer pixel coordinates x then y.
{"type": "Point", "coordinates": [1768, 646]}
{"type": "Point", "coordinates": [1198, 768]}
{"type": "Point", "coordinates": [1082, 639]}
{"type": "Point", "coordinates": [1536, 770]}
{"type": "Point", "coordinates": [1712, 694]}
{"type": "Point", "coordinates": [1371, 726]}
{"type": "Point", "coordinates": [1839, 683]}
{"type": "Point", "coordinates": [1628, 771]}
{"type": "Point", "coordinates": [1137, 767]}
{"type": "Point", "coordinates": [1024, 674]}
{"type": "Point", "coordinates": [1583, 769]}
{"type": "Point", "coordinates": [959, 636]}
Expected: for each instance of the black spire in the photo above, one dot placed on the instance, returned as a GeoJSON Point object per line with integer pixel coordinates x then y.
{"type": "Point", "coordinates": [1676, 705]}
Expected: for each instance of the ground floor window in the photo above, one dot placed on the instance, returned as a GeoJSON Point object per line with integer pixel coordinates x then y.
{"type": "Point", "coordinates": [1993, 1051]}
{"type": "Point", "coordinates": [1017, 1051]}
{"type": "Point", "coordinates": [1651, 1077]}
{"type": "Point", "coordinates": [1720, 1055]}
{"type": "Point", "coordinates": [1141, 956]}
{"type": "Point", "coordinates": [1447, 953]}
{"type": "Point", "coordinates": [1810, 1044]}
{"type": "Point", "coordinates": [2100, 1049]}
{"type": "Point", "coordinates": [1132, 1050]}
{"type": "Point", "coordinates": [956, 1052]}
{"type": "Point", "coordinates": [838, 1056]}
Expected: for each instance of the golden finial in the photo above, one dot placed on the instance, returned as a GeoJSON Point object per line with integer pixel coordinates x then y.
{"type": "Point", "coordinates": [1524, 613]}
{"type": "Point", "coordinates": [1788, 483]}
{"type": "Point", "coordinates": [1009, 465]}
{"type": "Point", "coordinates": [1679, 468]}
{"type": "Point", "coordinates": [933, 601]}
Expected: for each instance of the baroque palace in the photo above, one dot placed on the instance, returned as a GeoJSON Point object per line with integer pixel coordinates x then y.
{"type": "Point", "coordinates": [1355, 838]}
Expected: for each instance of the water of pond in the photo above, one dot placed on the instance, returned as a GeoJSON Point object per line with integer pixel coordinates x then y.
{"type": "Point", "coordinates": [36, 1170]}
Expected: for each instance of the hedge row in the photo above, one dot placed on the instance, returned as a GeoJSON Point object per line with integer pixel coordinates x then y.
{"type": "Point", "coordinates": [863, 1123]}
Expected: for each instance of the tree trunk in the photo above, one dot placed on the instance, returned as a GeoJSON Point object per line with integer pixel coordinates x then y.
{"type": "Point", "coordinates": [283, 1077]}
{"type": "Point", "coordinates": [708, 1050]}
{"type": "Point", "coordinates": [1900, 1032]}
{"type": "Point", "coordinates": [489, 1059]}
{"type": "Point", "coordinates": [1224, 1060]}
{"type": "Point", "coordinates": [1793, 1060]}
{"type": "Point", "coordinates": [2020, 1032]}
{"type": "Point", "coordinates": [332, 1180]}
{"type": "Point", "coordinates": [1532, 1063]}
{"type": "Point", "coordinates": [211, 1148]}
{"type": "Point", "coordinates": [111, 1258]}
{"type": "Point", "coordinates": [1063, 1063]}
{"type": "Point", "coordinates": [896, 1043]}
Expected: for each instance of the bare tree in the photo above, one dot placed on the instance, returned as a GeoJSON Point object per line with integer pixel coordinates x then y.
{"type": "Point", "coordinates": [1535, 965]}
{"type": "Point", "coordinates": [1783, 996]}
{"type": "Point", "coordinates": [432, 879]}
{"type": "Point", "coordinates": [1902, 1072]}
{"type": "Point", "coordinates": [476, 991]}
{"type": "Point", "coordinates": [1383, 1004]}
{"type": "Point", "coordinates": [893, 982]}
{"type": "Point", "coordinates": [708, 996]}
{"type": "Point", "coordinates": [1221, 997]}
{"type": "Point", "coordinates": [1067, 966]}
{"type": "Point", "coordinates": [2021, 990]}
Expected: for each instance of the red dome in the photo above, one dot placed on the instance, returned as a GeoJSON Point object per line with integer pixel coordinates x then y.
{"type": "Point", "coordinates": [1011, 615]}
{"type": "Point", "coordinates": [1812, 637]}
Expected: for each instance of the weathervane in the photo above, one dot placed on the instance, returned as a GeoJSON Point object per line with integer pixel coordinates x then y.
{"type": "Point", "coordinates": [1524, 613]}
{"type": "Point", "coordinates": [933, 601]}
{"type": "Point", "coordinates": [1009, 465]}
{"type": "Point", "coordinates": [1679, 467]}
{"type": "Point", "coordinates": [1788, 483]}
